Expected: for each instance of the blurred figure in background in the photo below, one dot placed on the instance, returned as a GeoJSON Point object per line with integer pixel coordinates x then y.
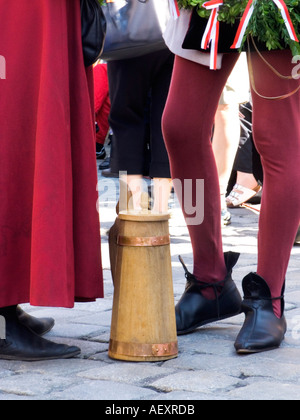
{"type": "Point", "coordinates": [131, 83]}
{"type": "Point", "coordinates": [102, 107]}
{"type": "Point", "coordinates": [227, 128]}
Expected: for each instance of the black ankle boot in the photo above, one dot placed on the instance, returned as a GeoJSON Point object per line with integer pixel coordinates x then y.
{"type": "Point", "coordinates": [39, 326]}
{"type": "Point", "coordinates": [262, 330]}
{"type": "Point", "coordinates": [22, 344]}
{"type": "Point", "coordinates": [194, 310]}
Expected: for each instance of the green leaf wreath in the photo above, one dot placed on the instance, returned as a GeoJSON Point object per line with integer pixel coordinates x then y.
{"type": "Point", "coordinates": [266, 24]}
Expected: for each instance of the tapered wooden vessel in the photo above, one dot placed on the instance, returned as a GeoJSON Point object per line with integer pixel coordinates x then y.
{"type": "Point", "coordinates": [143, 320]}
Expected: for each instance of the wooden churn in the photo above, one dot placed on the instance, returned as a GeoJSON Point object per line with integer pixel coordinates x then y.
{"type": "Point", "coordinates": [143, 319]}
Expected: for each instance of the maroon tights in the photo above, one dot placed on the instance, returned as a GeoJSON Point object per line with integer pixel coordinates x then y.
{"type": "Point", "coordinates": [187, 126]}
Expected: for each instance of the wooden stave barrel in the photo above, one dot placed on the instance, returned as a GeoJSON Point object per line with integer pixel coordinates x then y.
{"type": "Point", "coordinates": [143, 320]}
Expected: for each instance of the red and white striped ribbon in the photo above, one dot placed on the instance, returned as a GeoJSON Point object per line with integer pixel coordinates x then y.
{"type": "Point", "coordinates": [212, 31]}
{"type": "Point", "coordinates": [248, 14]}
{"type": "Point", "coordinates": [287, 19]}
{"type": "Point", "coordinates": [175, 12]}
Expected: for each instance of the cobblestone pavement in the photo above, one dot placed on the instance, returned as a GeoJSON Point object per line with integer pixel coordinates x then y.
{"type": "Point", "coordinates": [207, 367]}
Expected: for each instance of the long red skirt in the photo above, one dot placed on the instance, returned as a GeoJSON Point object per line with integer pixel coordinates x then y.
{"type": "Point", "coordinates": [49, 225]}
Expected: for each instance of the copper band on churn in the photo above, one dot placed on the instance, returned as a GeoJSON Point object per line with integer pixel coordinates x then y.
{"type": "Point", "coordinates": [143, 350]}
{"type": "Point", "coordinates": [144, 241]}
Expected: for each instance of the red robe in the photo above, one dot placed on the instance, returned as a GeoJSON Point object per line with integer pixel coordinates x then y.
{"type": "Point", "coordinates": [102, 101]}
{"type": "Point", "coordinates": [49, 225]}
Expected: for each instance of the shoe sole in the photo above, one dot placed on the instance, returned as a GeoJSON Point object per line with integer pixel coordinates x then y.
{"type": "Point", "coordinates": [245, 351]}
{"type": "Point", "coordinates": [210, 321]}
{"type": "Point", "coordinates": [38, 359]}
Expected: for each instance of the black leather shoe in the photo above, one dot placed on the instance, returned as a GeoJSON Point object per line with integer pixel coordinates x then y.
{"type": "Point", "coordinates": [262, 330]}
{"type": "Point", "coordinates": [23, 345]}
{"type": "Point", "coordinates": [194, 310]}
{"type": "Point", "coordinates": [39, 326]}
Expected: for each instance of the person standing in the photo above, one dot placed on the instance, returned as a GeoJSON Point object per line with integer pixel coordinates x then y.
{"type": "Point", "coordinates": [102, 107]}
{"type": "Point", "coordinates": [50, 233]}
{"type": "Point", "coordinates": [195, 90]}
{"type": "Point", "coordinates": [138, 89]}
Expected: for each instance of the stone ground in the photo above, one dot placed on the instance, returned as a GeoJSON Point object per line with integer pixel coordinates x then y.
{"type": "Point", "coordinates": [207, 367]}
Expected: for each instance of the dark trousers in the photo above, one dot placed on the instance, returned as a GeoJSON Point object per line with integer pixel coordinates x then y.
{"type": "Point", "coordinates": [138, 90]}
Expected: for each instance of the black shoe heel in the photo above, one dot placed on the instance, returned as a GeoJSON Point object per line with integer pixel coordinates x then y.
{"type": "Point", "coordinates": [39, 326]}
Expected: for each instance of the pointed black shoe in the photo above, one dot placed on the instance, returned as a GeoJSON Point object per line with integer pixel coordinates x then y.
{"type": "Point", "coordinates": [194, 310]}
{"type": "Point", "coordinates": [39, 326]}
{"type": "Point", "coordinates": [262, 330]}
{"type": "Point", "coordinates": [23, 345]}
